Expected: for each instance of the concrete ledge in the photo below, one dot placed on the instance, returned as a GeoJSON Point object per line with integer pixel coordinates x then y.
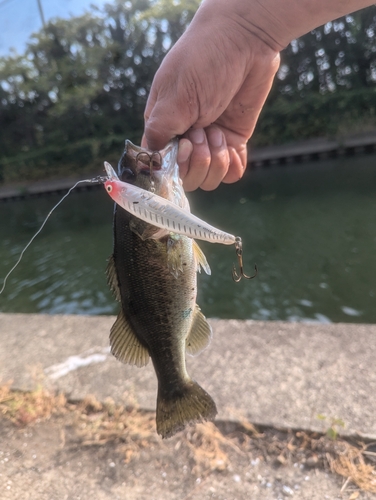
{"type": "Point", "coordinates": [313, 149]}
{"type": "Point", "coordinates": [272, 373]}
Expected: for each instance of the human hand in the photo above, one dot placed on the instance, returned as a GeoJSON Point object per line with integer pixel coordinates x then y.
{"type": "Point", "coordinates": [209, 91]}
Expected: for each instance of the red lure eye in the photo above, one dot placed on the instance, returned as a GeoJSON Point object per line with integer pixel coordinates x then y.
{"type": "Point", "coordinates": [109, 188]}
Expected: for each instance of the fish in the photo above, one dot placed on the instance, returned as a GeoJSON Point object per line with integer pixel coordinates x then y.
{"type": "Point", "coordinates": [153, 274]}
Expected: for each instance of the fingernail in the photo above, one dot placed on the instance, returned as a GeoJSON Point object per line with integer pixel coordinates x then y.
{"type": "Point", "coordinates": [185, 150]}
{"type": "Point", "coordinates": [197, 135]}
{"type": "Point", "coordinates": [215, 138]}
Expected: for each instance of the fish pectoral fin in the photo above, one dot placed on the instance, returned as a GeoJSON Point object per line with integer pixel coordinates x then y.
{"type": "Point", "coordinates": [200, 259]}
{"type": "Point", "coordinates": [145, 230]}
{"type": "Point", "coordinates": [112, 278]}
{"type": "Point", "coordinates": [125, 346]}
{"type": "Point", "coordinates": [174, 255]}
{"type": "Point", "coordinates": [200, 335]}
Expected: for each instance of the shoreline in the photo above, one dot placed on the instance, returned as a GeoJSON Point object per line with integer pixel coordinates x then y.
{"type": "Point", "coordinates": [298, 152]}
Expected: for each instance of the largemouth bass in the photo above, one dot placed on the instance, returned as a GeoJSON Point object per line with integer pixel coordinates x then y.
{"type": "Point", "coordinates": [153, 274]}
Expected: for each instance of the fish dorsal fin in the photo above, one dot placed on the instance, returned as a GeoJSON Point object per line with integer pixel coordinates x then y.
{"type": "Point", "coordinates": [112, 279]}
{"type": "Point", "coordinates": [200, 259]}
{"type": "Point", "coordinates": [125, 346]}
{"type": "Point", "coordinates": [200, 335]}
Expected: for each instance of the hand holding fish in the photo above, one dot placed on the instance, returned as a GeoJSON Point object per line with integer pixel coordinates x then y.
{"type": "Point", "coordinates": [213, 83]}
{"type": "Point", "coordinates": [210, 90]}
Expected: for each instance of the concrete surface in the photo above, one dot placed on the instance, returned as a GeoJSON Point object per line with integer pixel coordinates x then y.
{"type": "Point", "coordinates": [315, 148]}
{"type": "Point", "coordinates": [273, 373]}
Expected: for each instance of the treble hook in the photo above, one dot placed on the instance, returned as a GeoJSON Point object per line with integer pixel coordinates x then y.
{"type": "Point", "coordinates": [151, 164]}
{"type": "Point", "coordinates": [239, 253]}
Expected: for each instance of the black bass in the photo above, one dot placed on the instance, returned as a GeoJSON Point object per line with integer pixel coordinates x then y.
{"type": "Point", "coordinates": [153, 274]}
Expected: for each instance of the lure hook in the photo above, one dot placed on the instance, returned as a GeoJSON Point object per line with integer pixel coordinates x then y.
{"type": "Point", "coordinates": [239, 253]}
{"type": "Point", "coordinates": [152, 165]}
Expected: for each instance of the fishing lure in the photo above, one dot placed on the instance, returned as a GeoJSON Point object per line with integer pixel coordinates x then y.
{"type": "Point", "coordinates": [162, 213]}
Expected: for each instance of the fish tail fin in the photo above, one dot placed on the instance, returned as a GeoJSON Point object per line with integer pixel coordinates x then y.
{"type": "Point", "coordinates": [190, 405]}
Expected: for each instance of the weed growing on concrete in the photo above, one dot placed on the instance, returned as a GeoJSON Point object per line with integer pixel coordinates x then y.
{"type": "Point", "coordinates": [209, 445]}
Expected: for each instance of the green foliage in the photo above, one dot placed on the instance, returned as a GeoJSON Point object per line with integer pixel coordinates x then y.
{"type": "Point", "coordinates": [292, 118]}
{"type": "Point", "coordinates": [326, 85]}
{"type": "Point", "coordinates": [82, 84]}
{"type": "Point", "coordinates": [335, 424]}
{"type": "Point", "coordinates": [339, 55]}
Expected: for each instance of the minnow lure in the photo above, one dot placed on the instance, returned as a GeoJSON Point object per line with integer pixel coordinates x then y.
{"type": "Point", "coordinates": [158, 211]}
{"type": "Point", "coordinates": [162, 213]}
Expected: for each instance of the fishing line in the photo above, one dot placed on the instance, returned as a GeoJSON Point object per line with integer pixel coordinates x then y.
{"type": "Point", "coordinates": [98, 179]}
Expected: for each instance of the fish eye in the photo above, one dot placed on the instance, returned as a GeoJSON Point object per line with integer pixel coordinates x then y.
{"type": "Point", "coordinates": [109, 188]}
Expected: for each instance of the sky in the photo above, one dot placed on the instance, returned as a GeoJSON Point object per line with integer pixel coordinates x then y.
{"type": "Point", "coordinates": [20, 18]}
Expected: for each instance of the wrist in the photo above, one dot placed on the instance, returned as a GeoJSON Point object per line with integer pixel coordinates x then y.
{"type": "Point", "coordinates": [278, 22]}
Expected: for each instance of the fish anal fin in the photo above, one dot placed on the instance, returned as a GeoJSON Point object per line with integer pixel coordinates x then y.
{"type": "Point", "coordinates": [200, 259]}
{"type": "Point", "coordinates": [112, 278]}
{"type": "Point", "coordinates": [125, 346]}
{"type": "Point", "coordinates": [200, 334]}
{"type": "Point", "coordinates": [189, 405]}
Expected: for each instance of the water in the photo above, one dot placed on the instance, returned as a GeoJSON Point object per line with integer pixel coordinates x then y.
{"type": "Point", "coordinates": [311, 229]}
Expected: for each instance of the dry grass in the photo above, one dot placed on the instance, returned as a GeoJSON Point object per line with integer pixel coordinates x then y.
{"type": "Point", "coordinates": [99, 424]}
{"type": "Point", "coordinates": [207, 446]}
{"type": "Point", "coordinates": [210, 448]}
{"type": "Point", "coordinates": [24, 408]}
{"type": "Point", "coordinates": [348, 459]}
{"type": "Point", "coordinates": [350, 462]}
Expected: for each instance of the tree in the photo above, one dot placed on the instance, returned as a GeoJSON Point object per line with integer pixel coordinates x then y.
{"type": "Point", "coordinates": [339, 55]}
{"type": "Point", "coordinates": [81, 87]}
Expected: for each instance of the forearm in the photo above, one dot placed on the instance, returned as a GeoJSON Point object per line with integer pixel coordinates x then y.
{"type": "Point", "coordinates": [278, 22]}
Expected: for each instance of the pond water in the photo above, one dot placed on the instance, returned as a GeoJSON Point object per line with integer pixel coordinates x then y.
{"type": "Point", "coordinates": [311, 229]}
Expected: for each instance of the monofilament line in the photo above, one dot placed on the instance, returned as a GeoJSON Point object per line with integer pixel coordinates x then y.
{"type": "Point", "coordinates": [42, 226]}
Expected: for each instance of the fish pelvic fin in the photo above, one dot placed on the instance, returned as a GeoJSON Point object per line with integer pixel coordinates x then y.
{"type": "Point", "coordinates": [112, 279]}
{"type": "Point", "coordinates": [125, 346]}
{"type": "Point", "coordinates": [200, 334]}
{"type": "Point", "coordinates": [191, 404]}
{"type": "Point", "coordinates": [200, 259]}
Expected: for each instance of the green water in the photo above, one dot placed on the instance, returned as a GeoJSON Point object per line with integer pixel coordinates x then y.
{"type": "Point", "coordinates": [311, 229]}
